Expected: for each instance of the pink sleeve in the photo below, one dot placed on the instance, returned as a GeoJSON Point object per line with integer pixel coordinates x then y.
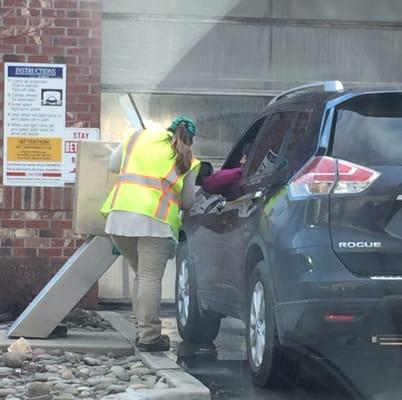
{"type": "Point", "coordinates": [222, 179]}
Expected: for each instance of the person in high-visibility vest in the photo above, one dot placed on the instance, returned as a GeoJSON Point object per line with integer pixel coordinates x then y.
{"type": "Point", "coordinates": [157, 174]}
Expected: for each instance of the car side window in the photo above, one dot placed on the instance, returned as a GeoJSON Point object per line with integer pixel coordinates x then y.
{"type": "Point", "coordinates": [301, 143]}
{"type": "Point", "coordinates": [246, 140]}
{"type": "Point", "coordinates": [269, 144]}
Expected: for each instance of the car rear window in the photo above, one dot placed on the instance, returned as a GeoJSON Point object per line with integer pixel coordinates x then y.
{"type": "Point", "coordinates": [368, 130]}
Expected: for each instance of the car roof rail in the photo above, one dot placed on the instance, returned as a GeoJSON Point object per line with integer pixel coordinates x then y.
{"type": "Point", "coordinates": [327, 86]}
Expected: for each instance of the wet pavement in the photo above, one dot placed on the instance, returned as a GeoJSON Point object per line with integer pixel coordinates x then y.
{"type": "Point", "coordinates": [353, 370]}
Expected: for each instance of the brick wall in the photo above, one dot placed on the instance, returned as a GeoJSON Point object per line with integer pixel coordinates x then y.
{"type": "Point", "coordinates": [35, 223]}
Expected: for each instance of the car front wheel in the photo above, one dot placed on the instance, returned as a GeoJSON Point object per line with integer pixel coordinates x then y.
{"type": "Point", "coordinates": [192, 326]}
{"type": "Point", "coordinates": [270, 363]}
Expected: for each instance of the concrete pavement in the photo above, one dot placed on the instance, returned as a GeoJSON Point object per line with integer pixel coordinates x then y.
{"type": "Point", "coordinates": [79, 341]}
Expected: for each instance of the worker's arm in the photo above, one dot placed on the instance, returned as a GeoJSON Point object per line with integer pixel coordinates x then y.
{"type": "Point", "coordinates": [188, 192]}
{"type": "Point", "coordinates": [115, 159]}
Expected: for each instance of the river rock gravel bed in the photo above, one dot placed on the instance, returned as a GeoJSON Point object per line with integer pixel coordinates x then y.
{"type": "Point", "coordinates": [60, 375]}
{"type": "Point", "coordinates": [86, 320]}
{"type": "Point", "coordinates": [77, 319]}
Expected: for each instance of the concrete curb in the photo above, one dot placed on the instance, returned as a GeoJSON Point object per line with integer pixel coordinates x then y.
{"type": "Point", "coordinates": [185, 386]}
{"type": "Point", "coordinates": [78, 341]}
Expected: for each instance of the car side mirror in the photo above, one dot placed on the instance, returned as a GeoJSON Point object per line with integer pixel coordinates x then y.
{"type": "Point", "coordinates": [206, 170]}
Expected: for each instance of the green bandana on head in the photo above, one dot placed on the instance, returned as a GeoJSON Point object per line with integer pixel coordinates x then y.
{"type": "Point", "coordinates": [188, 122]}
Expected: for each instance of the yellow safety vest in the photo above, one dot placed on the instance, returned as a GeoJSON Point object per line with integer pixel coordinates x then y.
{"type": "Point", "coordinates": [148, 182]}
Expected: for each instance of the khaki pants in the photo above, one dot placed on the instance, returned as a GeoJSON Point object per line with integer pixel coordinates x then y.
{"type": "Point", "coordinates": [148, 257]}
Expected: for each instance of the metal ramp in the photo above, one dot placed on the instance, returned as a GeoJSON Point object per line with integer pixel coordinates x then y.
{"type": "Point", "coordinates": [65, 289]}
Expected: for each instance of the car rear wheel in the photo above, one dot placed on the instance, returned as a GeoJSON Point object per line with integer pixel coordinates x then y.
{"type": "Point", "coordinates": [192, 326]}
{"type": "Point", "coordinates": [270, 363]}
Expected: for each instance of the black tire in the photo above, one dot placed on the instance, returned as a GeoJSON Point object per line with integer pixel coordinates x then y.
{"type": "Point", "coordinates": [278, 367]}
{"type": "Point", "coordinates": [195, 328]}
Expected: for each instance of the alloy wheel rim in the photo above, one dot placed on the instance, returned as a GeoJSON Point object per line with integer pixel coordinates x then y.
{"type": "Point", "coordinates": [183, 292]}
{"type": "Point", "coordinates": [257, 329]}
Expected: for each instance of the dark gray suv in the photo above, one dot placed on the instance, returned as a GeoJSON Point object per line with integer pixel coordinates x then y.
{"type": "Point", "coordinates": [310, 249]}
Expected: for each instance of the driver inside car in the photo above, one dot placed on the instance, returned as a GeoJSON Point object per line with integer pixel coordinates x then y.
{"type": "Point", "coordinates": [223, 181]}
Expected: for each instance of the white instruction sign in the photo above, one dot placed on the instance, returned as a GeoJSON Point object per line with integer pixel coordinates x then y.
{"type": "Point", "coordinates": [34, 124]}
{"type": "Point", "coordinates": [71, 138]}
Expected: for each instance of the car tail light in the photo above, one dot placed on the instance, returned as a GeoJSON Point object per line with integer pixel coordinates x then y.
{"type": "Point", "coordinates": [325, 175]}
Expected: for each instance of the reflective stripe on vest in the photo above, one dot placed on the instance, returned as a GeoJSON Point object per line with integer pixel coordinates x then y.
{"type": "Point", "coordinates": [165, 185]}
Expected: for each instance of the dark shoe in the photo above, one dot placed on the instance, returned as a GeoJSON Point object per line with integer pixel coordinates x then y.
{"type": "Point", "coordinates": [162, 344]}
